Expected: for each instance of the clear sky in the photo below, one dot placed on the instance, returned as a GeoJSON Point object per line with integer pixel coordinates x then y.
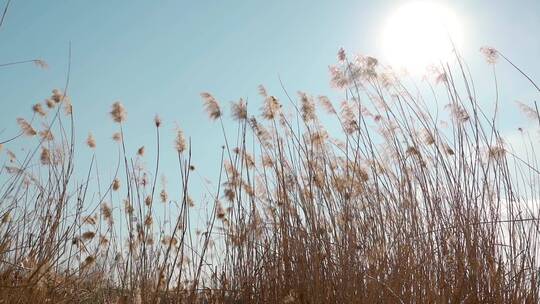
{"type": "Point", "coordinates": [157, 56]}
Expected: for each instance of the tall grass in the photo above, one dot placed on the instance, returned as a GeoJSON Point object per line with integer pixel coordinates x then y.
{"type": "Point", "coordinates": [379, 198]}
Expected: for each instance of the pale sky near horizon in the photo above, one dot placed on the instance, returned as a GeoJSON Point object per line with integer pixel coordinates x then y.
{"type": "Point", "coordinates": [157, 56]}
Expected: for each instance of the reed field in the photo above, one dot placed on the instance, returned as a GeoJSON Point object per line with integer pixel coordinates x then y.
{"type": "Point", "coordinates": [400, 205]}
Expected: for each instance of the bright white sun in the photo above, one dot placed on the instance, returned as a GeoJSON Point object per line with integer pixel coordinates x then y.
{"type": "Point", "coordinates": [420, 34]}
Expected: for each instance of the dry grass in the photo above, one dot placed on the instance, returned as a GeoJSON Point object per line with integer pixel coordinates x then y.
{"type": "Point", "coordinates": [396, 208]}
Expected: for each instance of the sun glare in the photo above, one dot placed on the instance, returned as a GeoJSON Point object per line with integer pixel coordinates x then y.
{"type": "Point", "coordinates": [420, 34]}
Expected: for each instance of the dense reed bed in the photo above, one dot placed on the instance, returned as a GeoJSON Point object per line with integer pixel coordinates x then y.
{"type": "Point", "coordinates": [375, 198]}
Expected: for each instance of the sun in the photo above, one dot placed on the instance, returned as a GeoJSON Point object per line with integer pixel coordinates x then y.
{"type": "Point", "coordinates": [420, 34]}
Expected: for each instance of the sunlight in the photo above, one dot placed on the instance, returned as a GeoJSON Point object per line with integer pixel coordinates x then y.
{"type": "Point", "coordinates": [419, 34]}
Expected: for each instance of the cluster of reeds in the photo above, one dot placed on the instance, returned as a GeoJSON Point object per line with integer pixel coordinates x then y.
{"type": "Point", "coordinates": [376, 199]}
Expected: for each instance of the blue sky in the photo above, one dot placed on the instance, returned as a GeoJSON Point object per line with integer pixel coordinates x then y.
{"type": "Point", "coordinates": [157, 56]}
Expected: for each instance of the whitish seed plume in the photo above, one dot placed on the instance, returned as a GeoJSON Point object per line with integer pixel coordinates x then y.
{"type": "Point", "coordinates": [68, 107]}
{"type": "Point", "coordinates": [12, 157]}
{"type": "Point", "coordinates": [458, 112]}
{"type": "Point", "coordinates": [497, 151]}
{"type": "Point", "coordinates": [211, 106]}
{"type": "Point", "coordinates": [262, 91]}
{"type": "Point", "coordinates": [529, 112]}
{"type": "Point", "coordinates": [341, 55]}
{"type": "Point", "coordinates": [91, 141]}
{"type": "Point", "coordinates": [117, 137]}
{"type": "Point", "coordinates": [270, 107]}
{"type": "Point", "coordinates": [164, 196]}
{"type": "Point", "coordinates": [180, 141]}
{"type": "Point", "coordinates": [308, 108]}
{"type": "Point", "coordinates": [326, 104]}
{"type": "Point", "coordinates": [491, 54]}
{"type": "Point", "coordinates": [57, 95]}
{"type": "Point", "coordinates": [38, 109]}
{"type": "Point", "coordinates": [50, 103]}
{"type": "Point", "coordinates": [338, 79]}
{"type": "Point", "coordinates": [348, 117]}
{"type": "Point", "coordinates": [46, 134]}
{"type": "Point", "coordinates": [190, 202]}
{"type": "Point", "coordinates": [42, 64]}
{"type": "Point", "coordinates": [118, 112]}
{"type": "Point", "coordinates": [239, 110]}
{"type": "Point", "coordinates": [26, 128]}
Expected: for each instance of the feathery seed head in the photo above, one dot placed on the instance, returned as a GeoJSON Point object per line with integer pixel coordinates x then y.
{"type": "Point", "coordinates": [148, 200]}
{"type": "Point", "coordinates": [262, 91]}
{"type": "Point", "coordinates": [220, 212]}
{"type": "Point", "coordinates": [91, 141]}
{"type": "Point", "coordinates": [50, 103]}
{"type": "Point", "coordinates": [164, 196]}
{"type": "Point", "coordinates": [448, 150]}
{"type": "Point", "coordinates": [140, 151]}
{"type": "Point", "coordinates": [106, 211]}
{"type": "Point", "coordinates": [341, 55]}
{"type": "Point", "coordinates": [157, 121]}
{"type": "Point", "coordinates": [128, 207]}
{"type": "Point", "coordinates": [117, 137]}
{"type": "Point", "coordinates": [57, 95]}
{"type": "Point", "coordinates": [46, 134]}
{"type": "Point", "coordinates": [211, 106]}
{"type": "Point", "coordinates": [528, 111]}
{"type": "Point", "coordinates": [118, 112]}
{"type": "Point", "coordinates": [497, 151]}
{"type": "Point", "coordinates": [148, 220]}
{"type": "Point", "coordinates": [169, 241]}
{"type": "Point", "coordinates": [45, 157]}
{"type": "Point", "coordinates": [270, 107]}
{"type": "Point", "coordinates": [103, 241]}
{"type": "Point", "coordinates": [116, 184]}
{"type": "Point", "coordinates": [38, 109]}
{"type": "Point", "coordinates": [491, 54]}
{"type": "Point", "coordinates": [180, 141]}
{"type": "Point", "coordinates": [68, 107]}
{"type": "Point", "coordinates": [88, 262]}
{"type": "Point", "coordinates": [42, 64]}
{"type": "Point", "coordinates": [239, 110]}
{"type": "Point", "coordinates": [325, 102]}
{"type": "Point", "coordinates": [308, 107]}
{"type": "Point", "coordinates": [26, 127]}
{"type": "Point", "coordinates": [338, 78]}
{"type": "Point", "coordinates": [88, 235]}
{"type": "Point", "coordinates": [6, 218]}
